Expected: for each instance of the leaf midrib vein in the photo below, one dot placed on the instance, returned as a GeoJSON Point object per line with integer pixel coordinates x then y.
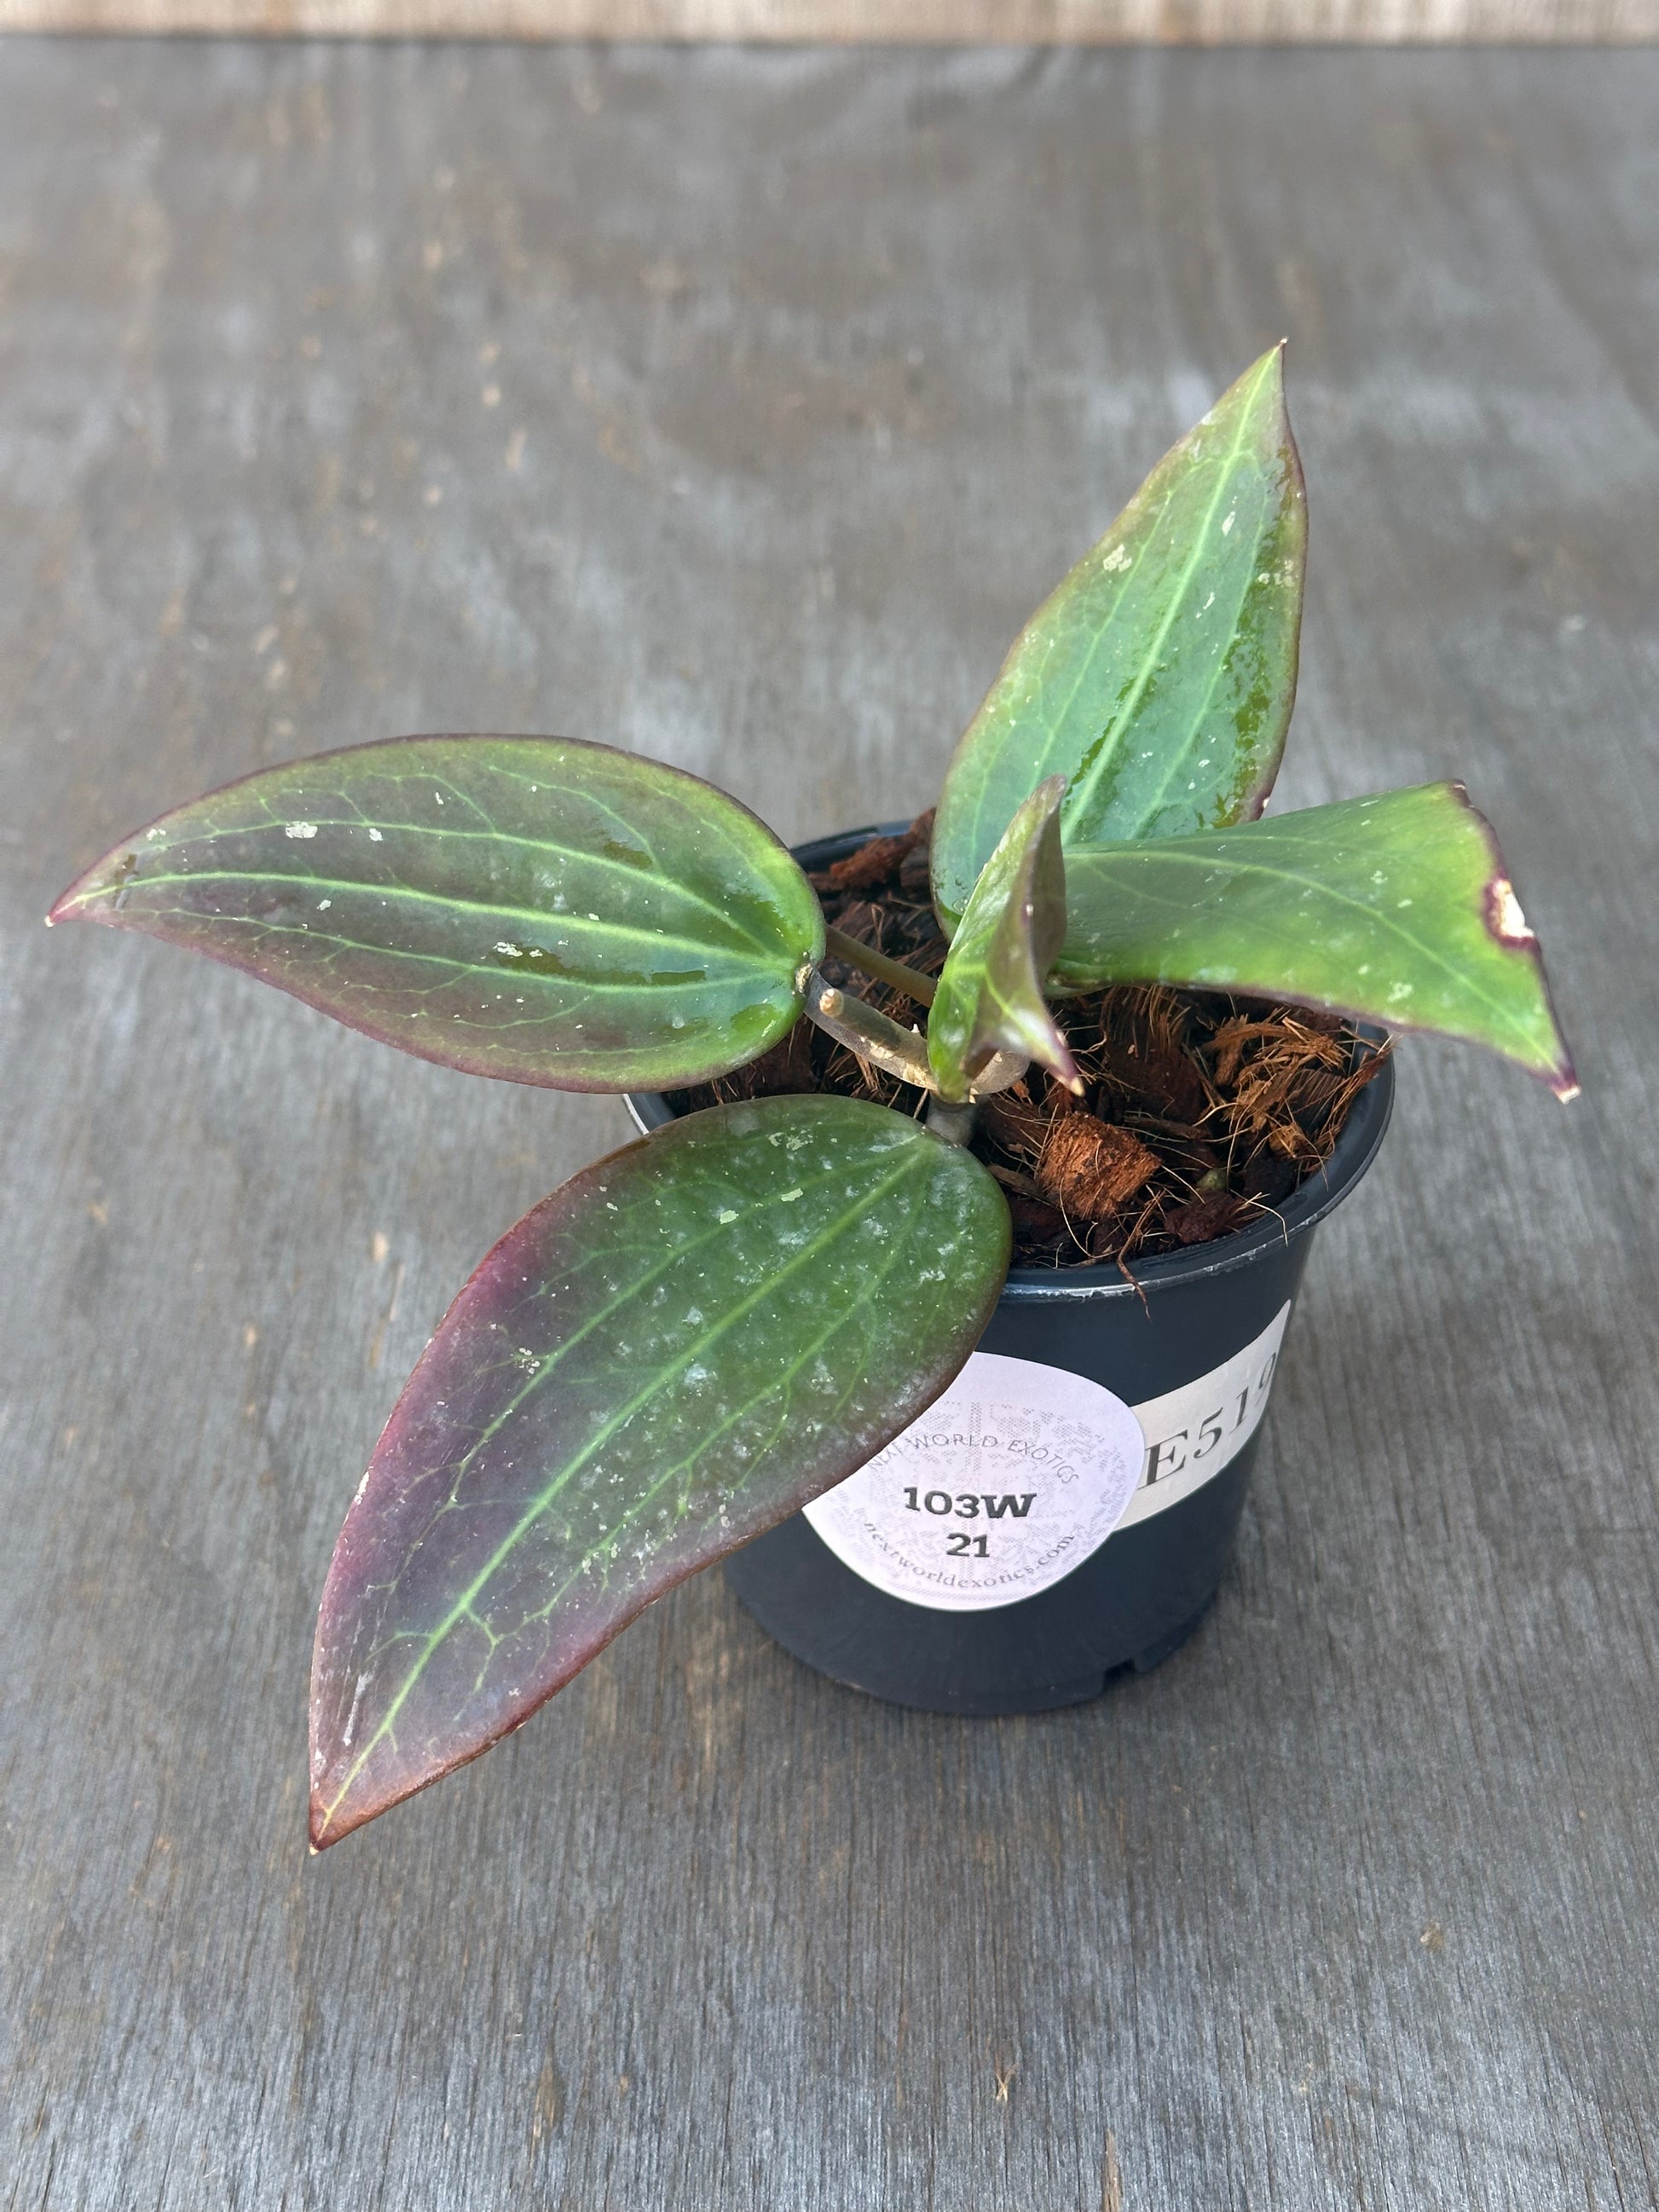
{"type": "Point", "coordinates": [544, 845]}
{"type": "Point", "coordinates": [1156, 853]}
{"type": "Point", "coordinates": [542, 919]}
{"type": "Point", "coordinates": [1050, 721]}
{"type": "Point", "coordinates": [1077, 798]}
{"type": "Point", "coordinates": [571, 1467]}
{"type": "Point", "coordinates": [896, 1245]}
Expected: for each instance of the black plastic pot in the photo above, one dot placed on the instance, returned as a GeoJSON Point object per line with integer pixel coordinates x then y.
{"type": "Point", "coordinates": [1191, 1346]}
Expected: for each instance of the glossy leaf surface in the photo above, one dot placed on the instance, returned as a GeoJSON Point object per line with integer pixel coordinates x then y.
{"type": "Point", "coordinates": [531, 908]}
{"type": "Point", "coordinates": [674, 1351]}
{"type": "Point", "coordinates": [1397, 908]}
{"type": "Point", "coordinates": [1159, 678]}
{"type": "Point", "coordinates": [990, 997]}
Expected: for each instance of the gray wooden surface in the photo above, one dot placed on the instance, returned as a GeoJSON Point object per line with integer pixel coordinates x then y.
{"type": "Point", "coordinates": [736, 407]}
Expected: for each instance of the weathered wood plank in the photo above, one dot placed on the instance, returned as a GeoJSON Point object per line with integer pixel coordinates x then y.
{"type": "Point", "coordinates": [738, 407]}
{"type": "Point", "coordinates": [950, 22]}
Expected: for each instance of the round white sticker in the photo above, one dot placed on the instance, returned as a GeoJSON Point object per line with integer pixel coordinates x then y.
{"type": "Point", "coordinates": [1004, 1484]}
{"type": "Point", "coordinates": [1019, 1470]}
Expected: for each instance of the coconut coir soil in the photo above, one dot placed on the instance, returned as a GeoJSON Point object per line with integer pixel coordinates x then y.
{"type": "Point", "coordinates": [1199, 1114]}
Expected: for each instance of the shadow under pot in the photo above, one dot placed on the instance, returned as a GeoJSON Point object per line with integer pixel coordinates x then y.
{"type": "Point", "coordinates": [1068, 1507]}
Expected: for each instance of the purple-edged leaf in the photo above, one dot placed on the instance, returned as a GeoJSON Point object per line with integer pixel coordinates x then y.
{"type": "Point", "coordinates": [1397, 908]}
{"type": "Point", "coordinates": [1159, 678]}
{"type": "Point", "coordinates": [531, 908]}
{"type": "Point", "coordinates": [989, 998]}
{"type": "Point", "coordinates": [677, 1349]}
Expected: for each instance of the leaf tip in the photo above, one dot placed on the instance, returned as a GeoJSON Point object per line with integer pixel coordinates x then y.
{"type": "Point", "coordinates": [1506, 924]}
{"type": "Point", "coordinates": [319, 1811]}
{"type": "Point", "coordinates": [1056, 1056]}
{"type": "Point", "coordinates": [320, 1838]}
{"type": "Point", "coordinates": [1264, 377]}
{"type": "Point", "coordinates": [75, 904]}
{"type": "Point", "coordinates": [328, 1822]}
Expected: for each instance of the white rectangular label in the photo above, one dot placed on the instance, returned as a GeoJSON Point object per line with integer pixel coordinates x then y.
{"type": "Point", "coordinates": [1191, 1433]}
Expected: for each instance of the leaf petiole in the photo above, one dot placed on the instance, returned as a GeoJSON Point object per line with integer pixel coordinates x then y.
{"type": "Point", "coordinates": [864, 957]}
{"type": "Point", "coordinates": [865, 1030]}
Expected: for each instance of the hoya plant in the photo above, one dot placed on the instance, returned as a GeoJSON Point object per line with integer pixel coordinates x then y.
{"type": "Point", "coordinates": [693, 1338]}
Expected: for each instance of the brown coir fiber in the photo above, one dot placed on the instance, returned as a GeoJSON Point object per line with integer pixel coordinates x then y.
{"type": "Point", "coordinates": [1088, 1167]}
{"type": "Point", "coordinates": [1200, 1113]}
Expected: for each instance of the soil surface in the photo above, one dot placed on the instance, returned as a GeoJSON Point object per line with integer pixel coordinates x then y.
{"type": "Point", "coordinates": [1201, 1113]}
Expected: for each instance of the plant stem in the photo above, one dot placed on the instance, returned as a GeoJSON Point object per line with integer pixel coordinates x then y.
{"type": "Point", "coordinates": [911, 981]}
{"type": "Point", "coordinates": [954, 1124]}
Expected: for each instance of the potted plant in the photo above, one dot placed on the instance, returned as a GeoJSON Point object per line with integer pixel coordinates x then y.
{"type": "Point", "coordinates": [713, 1329]}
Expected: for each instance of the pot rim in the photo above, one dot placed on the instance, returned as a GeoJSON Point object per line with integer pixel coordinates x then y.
{"type": "Point", "coordinates": [1318, 1194]}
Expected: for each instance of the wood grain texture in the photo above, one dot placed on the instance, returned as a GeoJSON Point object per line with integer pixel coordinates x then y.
{"type": "Point", "coordinates": [950, 22]}
{"type": "Point", "coordinates": [739, 408]}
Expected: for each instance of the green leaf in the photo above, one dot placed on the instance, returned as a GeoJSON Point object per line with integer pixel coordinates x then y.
{"type": "Point", "coordinates": [1159, 677]}
{"type": "Point", "coordinates": [989, 998]}
{"type": "Point", "coordinates": [1397, 908]}
{"type": "Point", "coordinates": [674, 1351]}
{"type": "Point", "coordinates": [531, 908]}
